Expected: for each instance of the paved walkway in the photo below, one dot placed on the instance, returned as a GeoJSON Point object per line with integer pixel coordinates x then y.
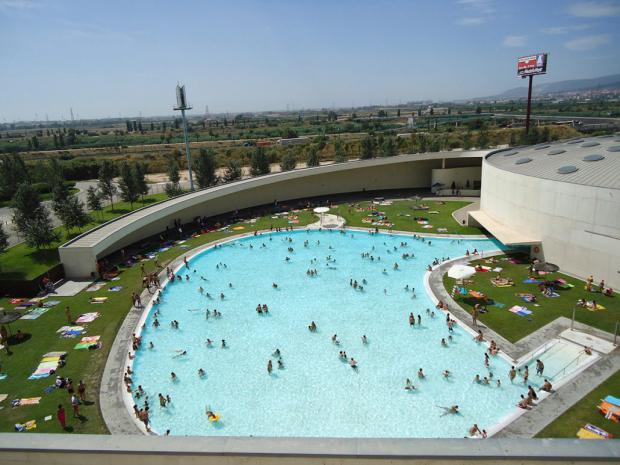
{"type": "Point", "coordinates": [533, 421]}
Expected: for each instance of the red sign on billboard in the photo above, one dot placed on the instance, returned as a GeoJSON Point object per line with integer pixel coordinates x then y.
{"type": "Point", "coordinates": [533, 64]}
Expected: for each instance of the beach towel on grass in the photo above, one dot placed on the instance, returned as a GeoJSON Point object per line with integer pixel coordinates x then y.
{"type": "Point", "coordinates": [86, 342]}
{"type": "Point", "coordinates": [34, 313]}
{"type": "Point", "coordinates": [532, 281]}
{"type": "Point", "coordinates": [51, 303]}
{"type": "Point", "coordinates": [29, 425]}
{"type": "Point", "coordinates": [87, 317]}
{"type": "Point", "coordinates": [613, 400]}
{"type": "Point", "coordinates": [498, 304]}
{"type": "Point", "coordinates": [115, 289]}
{"type": "Point", "coordinates": [71, 331]}
{"type": "Point", "coordinates": [95, 287]}
{"type": "Point", "coordinates": [521, 311]}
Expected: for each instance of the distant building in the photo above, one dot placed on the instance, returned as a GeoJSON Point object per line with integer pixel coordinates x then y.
{"type": "Point", "coordinates": [294, 141]}
{"type": "Point", "coordinates": [411, 123]}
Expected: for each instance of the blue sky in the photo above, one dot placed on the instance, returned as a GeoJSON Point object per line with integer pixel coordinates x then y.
{"type": "Point", "coordinates": [125, 57]}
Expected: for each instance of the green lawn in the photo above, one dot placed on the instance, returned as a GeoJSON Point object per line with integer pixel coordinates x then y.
{"type": "Point", "coordinates": [23, 262]}
{"type": "Point", "coordinates": [514, 327]}
{"type": "Point", "coordinates": [84, 364]}
{"type": "Point", "coordinates": [402, 214]}
{"type": "Point", "coordinates": [585, 411]}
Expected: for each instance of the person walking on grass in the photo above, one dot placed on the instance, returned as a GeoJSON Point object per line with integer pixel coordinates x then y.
{"type": "Point", "coordinates": [68, 314]}
{"type": "Point", "coordinates": [82, 391]}
{"type": "Point", "coordinates": [75, 403]}
{"type": "Point", "coordinates": [60, 414]}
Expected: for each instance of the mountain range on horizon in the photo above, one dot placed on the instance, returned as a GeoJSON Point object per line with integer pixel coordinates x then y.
{"type": "Point", "coordinates": [573, 85]}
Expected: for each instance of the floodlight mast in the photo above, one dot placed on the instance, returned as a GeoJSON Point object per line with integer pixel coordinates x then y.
{"type": "Point", "coordinates": [182, 105]}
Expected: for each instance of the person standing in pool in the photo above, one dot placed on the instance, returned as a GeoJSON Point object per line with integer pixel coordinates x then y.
{"type": "Point", "coordinates": [540, 367]}
{"type": "Point", "coordinates": [269, 367]}
{"type": "Point", "coordinates": [512, 374]}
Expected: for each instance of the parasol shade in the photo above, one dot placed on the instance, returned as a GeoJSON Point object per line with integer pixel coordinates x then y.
{"type": "Point", "coordinates": [461, 271]}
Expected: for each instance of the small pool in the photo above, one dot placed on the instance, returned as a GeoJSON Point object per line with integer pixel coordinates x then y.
{"type": "Point", "coordinates": [317, 394]}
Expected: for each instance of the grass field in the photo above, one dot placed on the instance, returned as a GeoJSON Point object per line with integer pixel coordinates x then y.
{"type": "Point", "coordinates": [514, 327]}
{"type": "Point", "coordinates": [401, 214]}
{"type": "Point", "coordinates": [23, 262]}
{"type": "Point", "coordinates": [83, 364]}
{"type": "Point", "coordinates": [585, 411]}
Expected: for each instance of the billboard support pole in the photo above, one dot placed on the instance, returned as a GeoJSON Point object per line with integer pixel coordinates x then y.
{"type": "Point", "coordinates": [187, 153]}
{"type": "Point", "coordinates": [529, 104]}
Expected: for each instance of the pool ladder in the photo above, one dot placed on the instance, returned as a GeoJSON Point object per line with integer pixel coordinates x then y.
{"type": "Point", "coordinates": [575, 360]}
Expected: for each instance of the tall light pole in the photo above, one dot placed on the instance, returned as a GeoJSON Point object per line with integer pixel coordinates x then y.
{"type": "Point", "coordinates": [183, 105]}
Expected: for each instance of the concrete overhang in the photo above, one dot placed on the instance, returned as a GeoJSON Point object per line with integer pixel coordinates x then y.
{"type": "Point", "coordinates": [505, 234]}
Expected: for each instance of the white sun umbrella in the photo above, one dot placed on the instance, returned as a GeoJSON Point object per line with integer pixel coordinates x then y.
{"type": "Point", "coordinates": [321, 211]}
{"type": "Point", "coordinates": [460, 272]}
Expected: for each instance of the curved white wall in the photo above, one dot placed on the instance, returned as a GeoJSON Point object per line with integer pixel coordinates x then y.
{"type": "Point", "coordinates": [80, 255]}
{"type": "Point", "coordinates": [579, 225]}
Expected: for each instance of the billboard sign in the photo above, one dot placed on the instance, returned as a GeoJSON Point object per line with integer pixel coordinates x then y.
{"type": "Point", "coordinates": [531, 65]}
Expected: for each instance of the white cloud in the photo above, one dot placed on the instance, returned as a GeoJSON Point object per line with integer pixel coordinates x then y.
{"type": "Point", "coordinates": [484, 6]}
{"type": "Point", "coordinates": [471, 21]}
{"type": "Point", "coordinates": [587, 43]}
{"type": "Point", "coordinates": [514, 41]}
{"type": "Point", "coordinates": [557, 30]}
{"type": "Point", "coordinates": [594, 9]}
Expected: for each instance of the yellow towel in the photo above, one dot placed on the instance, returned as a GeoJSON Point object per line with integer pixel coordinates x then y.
{"type": "Point", "coordinates": [586, 434]}
{"type": "Point", "coordinates": [50, 359]}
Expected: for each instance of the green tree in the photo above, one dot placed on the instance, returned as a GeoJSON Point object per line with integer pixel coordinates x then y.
{"type": "Point", "coordinates": [4, 239]}
{"type": "Point", "coordinates": [106, 181]}
{"type": "Point", "coordinates": [368, 147]}
{"type": "Point", "coordinates": [140, 179]}
{"type": "Point", "coordinates": [483, 139]}
{"type": "Point", "coordinates": [259, 162]}
{"type": "Point", "coordinates": [232, 171]}
{"type": "Point", "coordinates": [72, 214]}
{"type": "Point", "coordinates": [312, 156]}
{"type": "Point", "coordinates": [35, 142]}
{"type": "Point", "coordinates": [288, 161]}
{"type": "Point", "coordinates": [340, 155]}
{"type": "Point", "coordinates": [478, 109]}
{"type": "Point", "coordinates": [173, 188]}
{"type": "Point", "coordinates": [128, 185]}
{"type": "Point", "coordinates": [128, 125]}
{"type": "Point", "coordinates": [31, 218]}
{"type": "Point", "coordinates": [467, 140]}
{"type": "Point", "coordinates": [13, 171]}
{"type": "Point", "coordinates": [56, 182]}
{"type": "Point", "coordinates": [204, 168]}
{"type": "Point", "coordinates": [388, 149]}
{"type": "Point", "coordinates": [93, 199]}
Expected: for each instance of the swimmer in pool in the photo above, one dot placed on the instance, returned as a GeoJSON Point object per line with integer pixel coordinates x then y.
{"type": "Point", "coordinates": [312, 327]}
{"type": "Point", "coordinates": [453, 410]}
{"type": "Point", "coordinates": [269, 367]}
{"type": "Point", "coordinates": [364, 339]}
{"type": "Point", "coordinates": [444, 343]}
{"type": "Point", "coordinates": [276, 353]}
{"type": "Point", "coordinates": [201, 372]}
{"type": "Point", "coordinates": [335, 339]}
{"type": "Point", "coordinates": [180, 353]}
{"type": "Point", "coordinates": [173, 376]}
{"type": "Point", "coordinates": [409, 385]}
{"type": "Point", "coordinates": [353, 363]}
{"type": "Point", "coordinates": [421, 374]}
{"type": "Point", "coordinates": [446, 374]}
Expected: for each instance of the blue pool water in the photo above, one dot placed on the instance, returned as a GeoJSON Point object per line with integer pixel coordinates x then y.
{"type": "Point", "coordinates": [316, 394]}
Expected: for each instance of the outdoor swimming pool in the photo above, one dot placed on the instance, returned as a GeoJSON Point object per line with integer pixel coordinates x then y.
{"type": "Point", "coordinates": [317, 394]}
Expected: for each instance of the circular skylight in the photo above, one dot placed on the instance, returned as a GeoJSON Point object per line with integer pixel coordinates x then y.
{"type": "Point", "coordinates": [576, 141]}
{"type": "Point", "coordinates": [540, 147]}
{"type": "Point", "coordinates": [593, 157]}
{"type": "Point", "coordinates": [556, 151]}
{"type": "Point", "coordinates": [567, 169]}
{"type": "Point", "coordinates": [590, 143]}
{"type": "Point", "coordinates": [522, 161]}
{"type": "Point", "coordinates": [614, 148]}
{"type": "Point", "coordinates": [510, 153]}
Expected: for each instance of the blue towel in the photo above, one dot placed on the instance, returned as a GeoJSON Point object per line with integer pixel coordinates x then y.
{"type": "Point", "coordinates": [613, 400]}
